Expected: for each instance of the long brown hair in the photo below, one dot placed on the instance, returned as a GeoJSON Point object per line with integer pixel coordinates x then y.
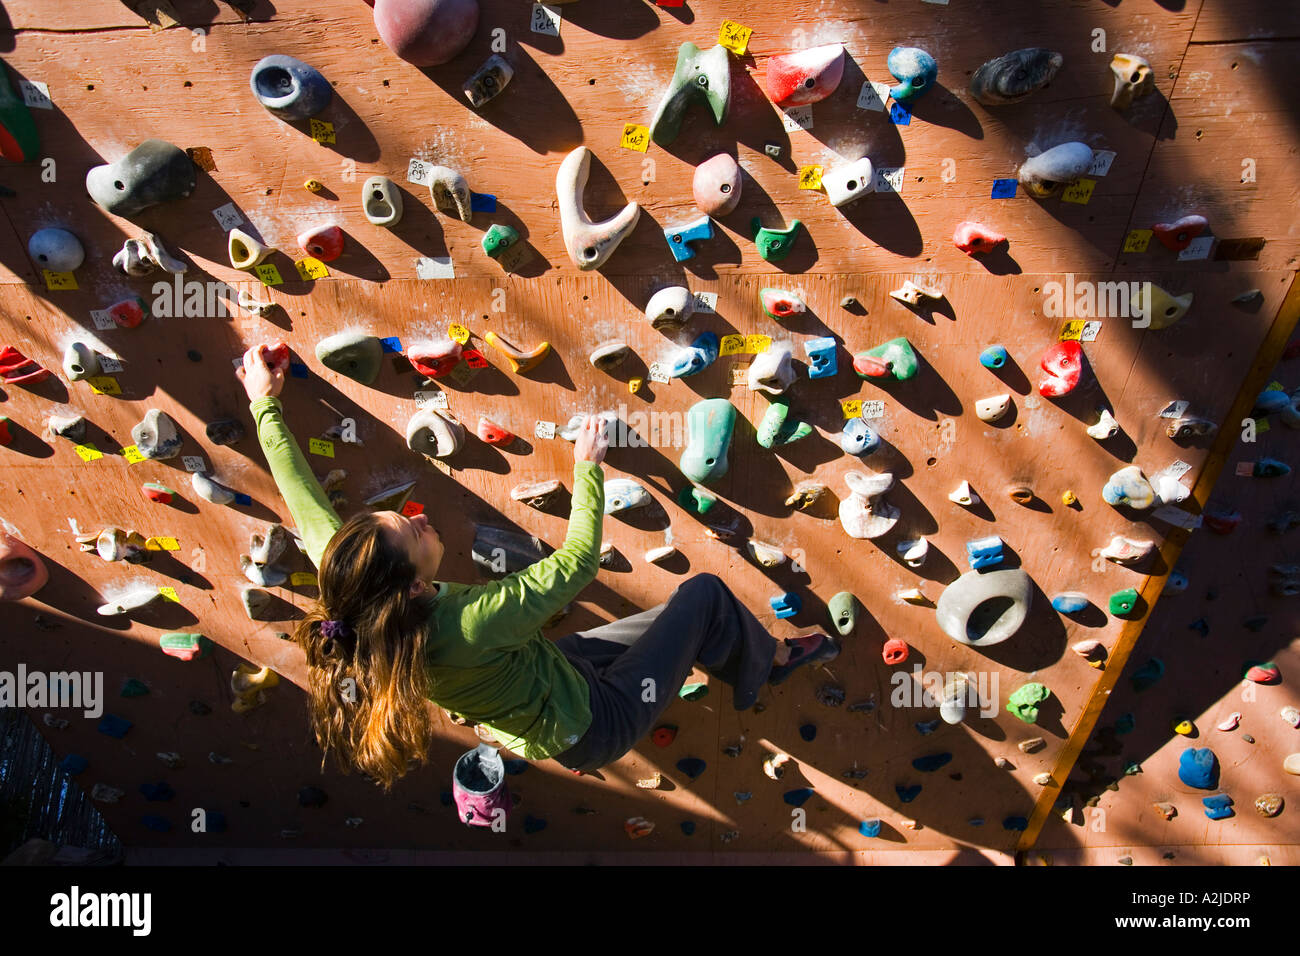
{"type": "Point", "coordinates": [366, 681]}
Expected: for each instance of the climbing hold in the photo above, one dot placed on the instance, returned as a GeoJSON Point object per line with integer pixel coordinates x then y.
{"type": "Point", "coordinates": [450, 192]}
{"type": "Point", "coordinates": [537, 494]}
{"type": "Point", "coordinates": [1184, 727]}
{"type": "Point", "coordinates": [971, 237]}
{"type": "Point", "coordinates": [183, 646]}
{"type": "Point", "coordinates": [1176, 583]}
{"type": "Point", "coordinates": [858, 438]}
{"type": "Point", "coordinates": [932, 762]}
{"type": "Point", "coordinates": [680, 237]}
{"type": "Point", "coordinates": [984, 552]}
{"type": "Point", "coordinates": [381, 201]}
{"type": "Point", "coordinates": [909, 293]}
{"type": "Point", "coordinates": [313, 185]}
{"type": "Point", "coordinates": [1106, 426]}
{"type": "Point", "coordinates": [1156, 307]}
{"type": "Point", "coordinates": [1148, 674]}
{"type": "Point", "coordinates": [589, 243]}
{"type": "Point", "coordinates": [670, 308]}
{"type": "Point", "coordinates": [141, 595]}
{"type": "Point", "coordinates": [1269, 804]}
{"type": "Point", "coordinates": [6, 437]}
{"type": "Point", "coordinates": [843, 609]}
{"type": "Point", "coordinates": [982, 608]}
{"type": "Point", "coordinates": [1043, 175]}
{"type": "Point", "coordinates": [140, 257]}
{"type": "Point", "coordinates": [806, 494]}
{"type": "Point", "coordinates": [774, 244]}
{"type": "Point", "coordinates": [805, 76]}
{"type": "Point", "coordinates": [488, 81]}
{"type": "Point", "coordinates": [156, 436]}
{"type": "Point", "coordinates": [434, 433]}
{"type": "Point", "coordinates": [1021, 494]}
{"type": "Point", "coordinates": [952, 704]}
{"type": "Point", "coordinates": [700, 74]}
{"type": "Point", "coordinates": [500, 551]}
{"type": "Point", "coordinates": [914, 552]}
{"type": "Point", "coordinates": [850, 182]}
{"type": "Point", "coordinates": [1127, 551]}
{"type": "Point", "coordinates": [894, 651]}
{"type": "Point", "coordinates": [114, 544]}
{"type": "Point", "coordinates": [716, 186]}
{"type": "Point", "coordinates": [822, 362]}
{"type": "Point", "coordinates": [22, 572]}
{"type": "Point", "coordinates": [56, 249]}
{"type": "Point", "coordinates": [245, 252]}
{"type": "Point", "coordinates": [655, 555]}
{"type": "Point", "coordinates": [17, 369]}
{"type": "Point", "coordinates": [906, 794]}
{"type": "Point", "coordinates": [1291, 764]}
{"type": "Point", "coordinates": [1199, 768]}
{"type": "Point", "coordinates": [609, 356]}
{"type": "Point", "coordinates": [993, 408]}
{"type": "Point", "coordinates": [71, 427]}
{"type": "Point", "coordinates": [664, 735]}
{"type": "Point", "coordinates": [289, 88]}
{"type": "Point", "coordinates": [766, 555]}
{"type": "Point", "coordinates": [1133, 79]}
{"type": "Point", "coordinates": [964, 495]}
{"type": "Point", "coordinates": [1190, 427]}
{"type": "Point", "coordinates": [1221, 521]}
{"type": "Point", "coordinates": [691, 766]}
{"type": "Point", "coordinates": [772, 371]}
{"type": "Point", "coordinates": [623, 494]}
{"type": "Point", "coordinates": [211, 490]}
{"type": "Point", "coordinates": [1013, 76]}
{"type": "Point", "coordinates": [1129, 487]}
{"type": "Point", "coordinates": [894, 358]}
{"type": "Point", "coordinates": [776, 428]}
{"type": "Point", "coordinates": [1063, 365]}
{"type": "Point", "coordinates": [914, 596]}
{"type": "Point", "coordinates": [1231, 722]}
{"type": "Point", "coordinates": [498, 239]}
{"type": "Point", "coordinates": [1070, 602]}
{"type": "Point", "coordinates": [521, 362]}
{"type": "Point", "coordinates": [870, 828]}
{"type": "Point", "coordinates": [1123, 602]}
{"type": "Point", "coordinates": [915, 70]}
{"type": "Point", "coordinates": [250, 684]}
{"type": "Point", "coordinates": [709, 425]}
{"type": "Point", "coordinates": [797, 798]}
{"type": "Point", "coordinates": [435, 358]}
{"type": "Point", "coordinates": [995, 356]}
{"type": "Point", "coordinates": [152, 173]}
{"type": "Point", "coordinates": [574, 426]}
{"type": "Point", "coordinates": [129, 313]}
{"type": "Point", "coordinates": [696, 357]}
{"type": "Point", "coordinates": [1178, 235]}
{"type": "Point", "coordinates": [19, 140]}
{"type": "Point", "coordinates": [354, 354]}
{"type": "Point", "coordinates": [1091, 651]}
{"type": "Point", "coordinates": [324, 242]}
{"type": "Point", "coordinates": [80, 361]}
{"type": "Point", "coordinates": [1270, 468]}
{"type": "Point", "coordinates": [158, 493]}
{"type": "Point", "coordinates": [426, 32]}
{"type": "Point", "coordinates": [779, 304]}
{"type": "Point", "coordinates": [1024, 701]}
{"type": "Point", "coordinates": [696, 500]}
{"type": "Point", "coordinates": [864, 513]}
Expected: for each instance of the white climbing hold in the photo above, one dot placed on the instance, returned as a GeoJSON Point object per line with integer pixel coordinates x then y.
{"type": "Point", "coordinates": [1087, 648]}
{"type": "Point", "coordinates": [992, 408]}
{"type": "Point", "coordinates": [589, 243]}
{"type": "Point", "coordinates": [1231, 722]}
{"type": "Point", "coordinates": [914, 552]}
{"type": "Point", "coordinates": [964, 495]}
{"type": "Point", "coordinates": [210, 490]}
{"type": "Point", "coordinates": [1127, 551]}
{"type": "Point", "coordinates": [911, 293]}
{"type": "Point", "coordinates": [768, 555]}
{"type": "Point", "coordinates": [655, 555]}
{"type": "Point", "coordinates": [1291, 715]}
{"type": "Point", "coordinates": [863, 514]}
{"type": "Point", "coordinates": [913, 596]}
{"type": "Point", "coordinates": [1106, 426]}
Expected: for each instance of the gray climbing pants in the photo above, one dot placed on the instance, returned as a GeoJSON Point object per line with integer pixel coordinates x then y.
{"type": "Point", "coordinates": [636, 666]}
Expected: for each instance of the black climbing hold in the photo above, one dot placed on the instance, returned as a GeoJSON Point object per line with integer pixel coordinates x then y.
{"type": "Point", "coordinates": [797, 798]}
{"type": "Point", "coordinates": [312, 797]}
{"type": "Point", "coordinates": [931, 762]}
{"type": "Point", "coordinates": [1201, 626]}
{"type": "Point", "coordinates": [199, 709]}
{"type": "Point", "coordinates": [691, 766]}
{"type": "Point", "coordinates": [907, 794]}
{"type": "Point", "coordinates": [194, 355]}
{"type": "Point", "coordinates": [926, 727]}
{"type": "Point", "coordinates": [808, 731]}
{"type": "Point", "coordinates": [1015, 823]}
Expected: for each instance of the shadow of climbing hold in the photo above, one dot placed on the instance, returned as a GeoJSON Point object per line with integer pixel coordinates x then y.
{"type": "Point", "coordinates": [289, 88]}
{"type": "Point", "coordinates": [1199, 768]}
{"type": "Point", "coordinates": [1024, 701]}
{"type": "Point", "coordinates": [354, 354]}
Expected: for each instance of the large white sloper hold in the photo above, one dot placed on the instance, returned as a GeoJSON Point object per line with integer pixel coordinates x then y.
{"type": "Point", "coordinates": [588, 243]}
{"type": "Point", "coordinates": [863, 513]}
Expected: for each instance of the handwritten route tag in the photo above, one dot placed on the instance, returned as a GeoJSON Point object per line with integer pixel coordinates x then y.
{"type": "Point", "coordinates": [875, 408]}
{"type": "Point", "coordinates": [731, 345]}
{"type": "Point", "coordinates": [873, 96]}
{"type": "Point", "coordinates": [310, 268]}
{"type": "Point", "coordinates": [322, 131]}
{"type": "Point", "coordinates": [852, 408]}
{"type": "Point", "coordinates": [269, 274]}
{"type": "Point", "coordinates": [417, 171]}
{"type": "Point", "coordinates": [88, 453]}
{"type": "Point", "coordinates": [797, 118]}
{"type": "Point", "coordinates": [755, 344]}
{"type": "Point", "coordinates": [635, 137]}
{"type": "Point", "coordinates": [544, 430]}
{"type": "Point", "coordinates": [59, 281]}
{"type": "Point", "coordinates": [545, 20]}
{"type": "Point", "coordinates": [1079, 192]}
{"type": "Point", "coordinates": [228, 216]}
{"type": "Point", "coordinates": [1138, 240]}
{"type": "Point", "coordinates": [734, 36]}
{"type": "Point", "coordinates": [810, 177]}
{"type": "Point", "coordinates": [458, 333]}
{"type": "Point", "coordinates": [320, 446]}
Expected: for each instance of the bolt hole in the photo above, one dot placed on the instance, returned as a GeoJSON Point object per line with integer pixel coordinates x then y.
{"type": "Point", "coordinates": [931, 462]}
{"type": "Point", "coordinates": [591, 82]}
{"type": "Point", "coordinates": [117, 184]}
{"type": "Point", "coordinates": [1200, 133]}
{"type": "Point", "coordinates": [90, 86]}
{"type": "Point", "coordinates": [1234, 66]}
{"type": "Point", "coordinates": [187, 83]}
{"type": "Point", "coordinates": [725, 188]}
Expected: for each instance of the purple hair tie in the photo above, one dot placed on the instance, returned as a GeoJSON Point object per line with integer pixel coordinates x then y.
{"type": "Point", "coordinates": [336, 630]}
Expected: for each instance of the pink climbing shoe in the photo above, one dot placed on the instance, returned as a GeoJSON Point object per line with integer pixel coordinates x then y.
{"type": "Point", "coordinates": [810, 649]}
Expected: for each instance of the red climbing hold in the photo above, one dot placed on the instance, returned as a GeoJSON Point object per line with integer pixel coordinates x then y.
{"type": "Point", "coordinates": [324, 242]}
{"type": "Point", "coordinates": [435, 359]}
{"type": "Point", "coordinates": [5, 437]}
{"type": "Point", "coordinates": [159, 493]}
{"type": "Point", "coordinates": [971, 237]}
{"type": "Point", "coordinates": [1179, 235]}
{"type": "Point", "coordinates": [276, 356]}
{"type": "Point", "coordinates": [129, 312]}
{"type": "Point", "coordinates": [1063, 363]}
{"type": "Point", "coordinates": [805, 76]}
{"type": "Point", "coordinates": [1221, 522]}
{"type": "Point", "coordinates": [894, 651]}
{"type": "Point", "coordinates": [870, 366]}
{"type": "Point", "coordinates": [664, 735]}
{"type": "Point", "coordinates": [494, 434]}
{"type": "Point", "coordinates": [17, 369]}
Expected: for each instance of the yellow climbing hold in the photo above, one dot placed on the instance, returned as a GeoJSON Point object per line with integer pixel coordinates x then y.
{"type": "Point", "coordinates": [313, 185]}
{"type": "Point", "coordinates": [1068, 497]}
{"type": "Point", "coordinates": [634, 385]}
{"type": "Point", "coordinates": [1183, 727]}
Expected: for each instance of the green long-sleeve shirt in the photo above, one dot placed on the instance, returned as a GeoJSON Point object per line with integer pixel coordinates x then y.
{"type": "Point", "coordinates": [485, 652]}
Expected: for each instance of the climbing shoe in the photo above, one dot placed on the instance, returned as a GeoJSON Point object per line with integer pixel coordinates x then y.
{"type": "Point", "coordinates": [813, 649]}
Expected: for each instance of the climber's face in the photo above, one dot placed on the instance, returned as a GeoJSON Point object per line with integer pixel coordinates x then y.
{"type": "Point", "coordinates": [416, 537]}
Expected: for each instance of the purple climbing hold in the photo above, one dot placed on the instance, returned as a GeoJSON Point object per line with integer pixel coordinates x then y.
{"type": "Point", "coordinates": [691, 766]}
{"type": "Point", "coordinates": [932, 762]}
{"type": "Point", "coordinates": [1199, 768]}
{"type": "Point", "coordinates": [907, 794]}
{"type": "Point", "coordinates": [797, 798]}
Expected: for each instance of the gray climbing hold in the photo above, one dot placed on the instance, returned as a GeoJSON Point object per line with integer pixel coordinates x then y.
{"type": "Point", "coordinates": [985, 607]}
{"type": "Point", "coordinates": [265, 576]}
{"type": "Point", "coordinates": [56, 249]}
{"type": "Point", "coordinates": [269, 547]}
{"type": "Point", "coordinates": [624, 494]}
{"type": "Point", "coordinates": [289, 88]}
{"type": "Point", "coordinates": [157, 437]}
{"type": "Point", "coordinates": [503, 552]}
{"type": "Point", "coordinates": [354, 354]}
{"type": "Point", "coordinates": [153, 172]}
{"type": "Point", "coordinates": [210, 490]}
{"type": "Point", "coordinates": [434, 433]}
{"type": "Point", "coordinates": [1015, 75]}
{"type": "Point", "coordinates": [256, 602]}
{"type": "Point", "coordinates": [80, 361]}
{"type": "Point", "coordinates": [71, 427]}
{"type": "Point", "coordinates": [225, 431]}
{"type": "Point", "coordinates": [381, 201]}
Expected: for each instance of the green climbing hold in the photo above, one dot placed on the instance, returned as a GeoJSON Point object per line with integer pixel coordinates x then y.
{"type": "Point", "coordinates": [843, 609]}
{"type": "Point", "coordinates": [354, 354]}
{"type": "Point", "coordinates": [696, 499]}
{"type": "Point", "coordinates": [895, 358]}
{"type": "Point", "coordinates": [709, 424]}
{"type": "Point", "coordinates": [134, 688]}
{"type": "Point", "coordinates": [775, 430]}
{"type": "Point", "coordinates": [693, 691]}
{"type": "Point", "coordinates": [19, 141]}
{"type": "Point", "coordinates": [1025, 700]}
{"type": "Point", "coordinates": [774, 244]}
{"type": "Point", "coordinates": [184, 646]}
{"type": "Point", "coordinates": [1123, 602]}
{"type": "Point", "coordinates": [498, 239]}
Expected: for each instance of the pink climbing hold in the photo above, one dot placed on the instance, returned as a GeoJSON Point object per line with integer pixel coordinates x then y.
{"type": "Point", "coordinates": [322, 242]}
{"type": "Point", "coordinates": [129, 312]}
{"type": "Point", "coordinates": [1179, 235]}
{"type": "Point", "coordinates": [22, 572]}
{"type": "Point", "coordinates": [971, 237]}
{"type": "Point", "coordinates": [1231, 722]}
{"type": "Point", "coordinates": [1063, 363]}
{"type": "Point", "coordinates": [716, 186]}
{"type": "Point", "coordinates": [426, 32]}
{"type": "Point", "coordinates": [805, 76]}
{"type": "Point", "coordinates": [492, 433]}
{"type": "Point", "coordinates": [894, 651]}
{"type": "Point", "coordinates": [435, 359]}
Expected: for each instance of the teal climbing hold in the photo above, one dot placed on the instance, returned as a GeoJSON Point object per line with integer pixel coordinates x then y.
{"type": "Point", "coordinates": [709, 425]}
{"type": "Point", "coordinates": [354, 354]}
{"type": "Point", "coordinates": [1199, 768]}
{"type": "Point", "coordinates": [693, 691]}
{"type": "Point", "coordinates": [995, 356]}
{"type": "Point", "coordinates": [134, 688]}
{"type": "Point", "coordinates": [1024, 701]}
{"type": "Point", "coordinates": [691, 766]}
{"type": "Point", "coordinates": [696, 500]}
{"type": "Point", "coordinates": [1218, 807]}
{"type": "Point", "coordinates": [797, 798]}
{"type": "Point", "coordinates": [1132, 767]}
{"type": "Point", "coordinates": [907, 794]}
{"type": "Point", "coordinates": [932, 762]}
{"type": "Point", "coordinates": [808, 732]}
{"type": "Point", "coordinates": [775, 429]}
{"type": "Point", "coordinates": [869, 828]}
{"type": "Point", "coordinates": [1147, 675]}
{"type": "Point", "coordinates": [1125, 724]}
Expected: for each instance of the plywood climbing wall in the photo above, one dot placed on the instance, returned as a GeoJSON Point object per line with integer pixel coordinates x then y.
{"type": "Point", "coordinates": [1214, 138]}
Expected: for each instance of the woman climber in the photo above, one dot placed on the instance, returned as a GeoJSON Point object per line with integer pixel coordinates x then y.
{"type": "Point", "coordinates": [386, 636]}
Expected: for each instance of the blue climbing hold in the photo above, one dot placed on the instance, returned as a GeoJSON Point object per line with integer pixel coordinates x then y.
{"type": "Point", "coordinates": [869, 828]}
{"type": "Point", "coordinates": [926, 727]}
{"type": "Point", "coordinates": [73, 764]}
{"type": "Point", "coordinates": [808, 732]}
{"type": "Point", "coordinates": [995, 356]}
{"type": "Point", "coordinates": [159, 824]}
{"type": "Point", "coordinates": [534, 824]}
{"type": "Point", "coordinates": [515, 767]}
{"type": "Point", "coordinates": [157, 791]}
{"type": "Point", "coordinates": [1201, 626]}
{"type": "Point", "coordinates": [691, 766]}
{"type": "Point", "coordinates": [688, 827]}
{"type": "Point", "coordinates": [858, 438]}
{"type": "Point", "coordinates": [786, 605]}
{"type": "Point", "coordinates": [984, 552]}
{"type": "Point", "coordinates": [680, 237]}
{"type": "Point", "coordinates": [975, 822]}
{"type": "Point", "coordinates": [1071, 602]}
{"type": "Point", "coordinates": [1218, 807]}
{"type": "Point", "coordinates": [1015, 823]}
{"type": "Point", "coordinates": [1269, 402]}
{"type": "Point", "coordinates": [932, 762]}
{"type": "Point", "coordinates": [907, 794]}
{"type": "Point", "coordinates": [1199, 768]}
{"type": "Point", "coordinates": [114, 726]}
{"type": "Point", "coordinates": [822, 362]}
{"type": "Point", "coordinates": [797, 798]}
{"type": "Point", "coordinates": [702, 353]}
{"type": "Point", "coordinates": [1148, 674]}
